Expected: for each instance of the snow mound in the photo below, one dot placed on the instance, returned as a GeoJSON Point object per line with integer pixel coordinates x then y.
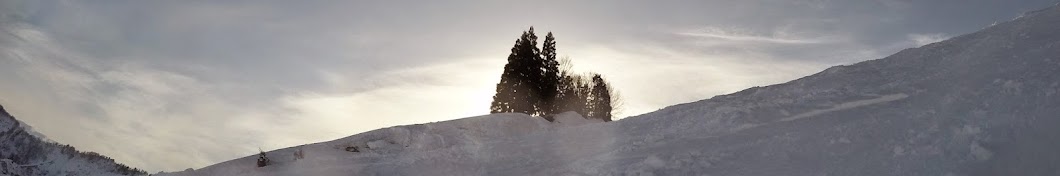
{"type": "Point", "coordinates": [568, 119]}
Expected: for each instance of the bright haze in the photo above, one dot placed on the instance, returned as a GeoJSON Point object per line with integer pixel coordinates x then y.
{"type": "Point", "coordinates": [169, 85]}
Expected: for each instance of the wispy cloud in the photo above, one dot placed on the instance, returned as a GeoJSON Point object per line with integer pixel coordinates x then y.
{"type": "Point", "coordinates": [122, 102]}
{"type": "Point", "coordinates": [736, 35]}
{"type": "Point", "coordinates": [113, 104]}
{"type": "Point", "coordinates": [681, 68]}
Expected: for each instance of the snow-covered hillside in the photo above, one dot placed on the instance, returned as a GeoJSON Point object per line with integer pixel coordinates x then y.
{"type": "Point", "coordinates": [24, 154]}
{"type": "Point", "coordinates": [986, 103]}
{"type": "Point", "coordinates": [448, 147]}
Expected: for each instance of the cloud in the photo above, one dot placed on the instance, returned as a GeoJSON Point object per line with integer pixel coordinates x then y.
{"type": "Point", "coordinates": [643, 72]}
{"type": "Point", "coordinates": [404, 96]}
{"type": "Point", "coordinates": [148, 117]}
{"type": "Point", "coordinates": [777, 37]}
{"type": "Point", "coordinates": [897, 4]}
{"type": "Point", "coordinates": [126, 110]}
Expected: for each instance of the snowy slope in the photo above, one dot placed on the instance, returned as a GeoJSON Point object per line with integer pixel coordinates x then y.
{"type": "Point", "coordinates": [449, 146]}
{"type": "Point", "coordinates": [23, 153]}
{"type": "Point", "coordinates": [985, 103]}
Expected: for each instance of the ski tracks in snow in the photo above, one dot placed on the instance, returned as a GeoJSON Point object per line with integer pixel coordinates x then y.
{"type": "Point", "coordinates": [848, 105]}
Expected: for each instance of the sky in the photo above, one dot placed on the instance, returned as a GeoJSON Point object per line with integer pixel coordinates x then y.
{"type": "Point", "coordinates": [170, 85]}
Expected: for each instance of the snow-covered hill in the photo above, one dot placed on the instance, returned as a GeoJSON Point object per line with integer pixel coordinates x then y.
{"type": "Point", "coordinates": [986, 103]}
{"type": "Point", "coordinates": [24, 154]}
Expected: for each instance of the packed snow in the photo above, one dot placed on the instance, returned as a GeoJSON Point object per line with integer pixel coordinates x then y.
{"type": "Point", "coordinates": [439, 145]}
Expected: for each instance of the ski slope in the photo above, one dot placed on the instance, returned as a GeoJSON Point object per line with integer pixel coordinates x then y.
{"type": "Point", "coordinates": [978, 104]}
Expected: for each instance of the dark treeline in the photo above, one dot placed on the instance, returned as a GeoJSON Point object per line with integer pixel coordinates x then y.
{"type": "Point", "coordinates": [534, 82]}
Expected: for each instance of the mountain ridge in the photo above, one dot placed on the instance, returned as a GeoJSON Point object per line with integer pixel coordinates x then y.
{"type": "Point", "coordinates": [23, 153]}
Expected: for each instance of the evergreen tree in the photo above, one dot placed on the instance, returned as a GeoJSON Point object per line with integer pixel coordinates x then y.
{"type": "Point", "coordinates": [601, 99]}
{"type": "Point", "coordinates": [550, 79]}
{"type": "Point", "coordinates": [504, 98]}
{"type": "Point", "coordinates": [534, 83]}
{"type": "Point", "coordinates": [517, 90]}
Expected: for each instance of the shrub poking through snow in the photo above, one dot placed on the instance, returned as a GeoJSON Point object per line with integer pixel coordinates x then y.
{"type": "Point", "coordinates": [352, 149]}
{"type": "Point", "coordinates": [262, 159]}
{"type": "Point", "coordinates": [298, 153]}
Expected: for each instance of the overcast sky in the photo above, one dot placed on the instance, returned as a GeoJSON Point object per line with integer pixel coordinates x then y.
{"type": "Point", "coordinates": [169, 85]}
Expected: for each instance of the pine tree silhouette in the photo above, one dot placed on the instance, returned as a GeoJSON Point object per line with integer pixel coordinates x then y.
{"type": "Point", "coordinates": [550, 78]}
{"type": "Point", "coordinates": [533, 83]}
{"type": "Point", "coordinates": [601, 99]}
{"type": "Point", "coordinates": [517, 90]}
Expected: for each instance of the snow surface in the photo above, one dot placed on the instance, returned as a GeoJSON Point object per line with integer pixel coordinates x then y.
{"type": "Point", "coordinates": [433, 145]}
{"type": "Point", "coordinates": [978, 104]}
